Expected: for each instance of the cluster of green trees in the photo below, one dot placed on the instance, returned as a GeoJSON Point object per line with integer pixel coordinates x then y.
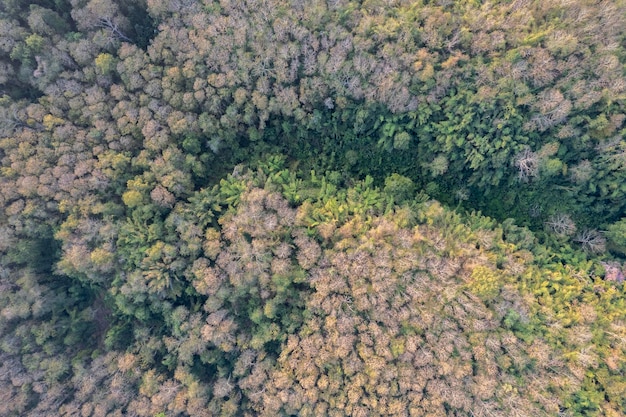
{"type": "Point", "coordinates": [143, 204]}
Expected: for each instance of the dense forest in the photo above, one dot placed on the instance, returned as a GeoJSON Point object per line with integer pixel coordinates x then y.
{"type": "Point", "coordinates": [312, 208]}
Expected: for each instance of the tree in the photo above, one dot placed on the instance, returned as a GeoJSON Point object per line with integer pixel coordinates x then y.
{"type": "Point", "coordinates": [527, 163]}
{"type": "Point", "coordinates": [317, 282]}
{"type": "Point", "coordinates": [399, 187]}
{"type": "Point", "coordinates": [561, 225]}
{"type": "Point", "coordinates": [591, 241]}
{"type": "Point", "coordinates": [616, 234]}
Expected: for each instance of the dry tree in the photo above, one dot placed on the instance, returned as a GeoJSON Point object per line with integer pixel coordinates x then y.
{"type": "Point", "coordinates": [561, 224]}
{"type": "Point", "coordinates": [527, 162]}
{"type": "Point", "coordinates": [592, 241]}
{"type": "Point", "coordinates": [113, 28]}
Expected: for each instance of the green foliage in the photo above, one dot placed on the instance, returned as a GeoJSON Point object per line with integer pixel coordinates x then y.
{"type": "Point", "coordinates": [399, 187]}
{"type": "Point", "coordinates": [191, 145]}
{"type": "Point", "coordinates": [37, 253]}
{"type": "Point", "coordinates": [485, 283]}
{"type": "Point", "coordinates": [133, 198]}
{"type": "Point", "coordinates": [234, 205]}
{"type": "Point", "coordinates": [105, 63]}
{"type": "Point", "coordinates": [401, 141]}
{"type": "Point", "coordinates": [521, 237]}
{"type": "Point", "coordinates": [34, 43]}
{"type": "Point", "coordinates": [616, 233]}
{"type": "Point", "coordinates": [553, 166]}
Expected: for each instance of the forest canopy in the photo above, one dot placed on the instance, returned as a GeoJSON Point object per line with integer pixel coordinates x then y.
{"type": "Point", "coordinates": [283, 207]}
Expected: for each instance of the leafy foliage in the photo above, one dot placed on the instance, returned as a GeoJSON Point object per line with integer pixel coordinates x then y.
{"type": "Point", "coordinates": [226, 208]}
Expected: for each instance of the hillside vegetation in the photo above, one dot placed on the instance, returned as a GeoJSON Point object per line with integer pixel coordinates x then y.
{"type": "Point", "coordinates": [274, 207]}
